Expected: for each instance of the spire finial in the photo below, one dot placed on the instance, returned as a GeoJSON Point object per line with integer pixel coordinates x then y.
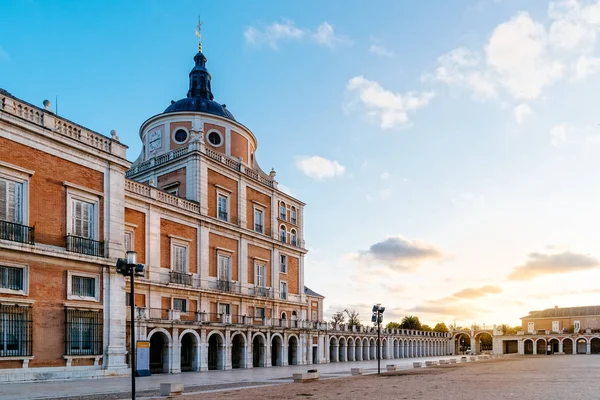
{"type": "Point", "coordinates": [199, 34]}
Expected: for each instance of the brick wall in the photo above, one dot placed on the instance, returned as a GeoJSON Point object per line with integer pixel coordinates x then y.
{"type": "Point", "coordinates": [254, 195]}
{"type": "Point", "coordinates": [239, 146]}
{"type": "Point", "coordinates": [171, 177]}
{"type": "Point", "coordinates": [292, 275]}
{"type": "Point", "coordinates": [265, 254]}
{"type": "Point", "coordinates": [139, 233]}
{"type": "Point", "coordinates": [214, 178]}
{"type": "Point", "coordinates": [223, 242]}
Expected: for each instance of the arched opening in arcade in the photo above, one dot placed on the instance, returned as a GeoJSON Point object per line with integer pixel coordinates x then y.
{"type": "Point", "coordinates": [351, 350]}
{"type": "Point", "coordinates": [540, 346]}
{"type": "Point", "coordinates": [342, 351]}
{"type": "Point", "coordinates": [238, 351]}
{"type": "Point", "coordinates": [384, 348]}
{"type": "Point", "coordinates": [462, 343]}
{"type": "Point", "coordinates": [373, 349]}
{"type": "Point", "coordinates": [365, 349]}
{"type": "Point", "coordinates": [554, 345]}
{"type": "Point", "coordinates": [294, 320]}
{"type": "Point", "coordinates": [189, 352]}
{"type": "Point", "coordinates": [581, 346]}
{"type": "Point", "coordinates": [259, 354]}
{"type": "Point", "coordinates": [567, 346]}
{"type": "Point", "coordinates": [276, 351]}
{"type": "Point", "coordinates": [292, 350]}
{"type": "Point", "coordinates": [396, 349]}
{"type": "Point", "coordinates": [216, 348]}
{"type": "Point", "coordinates": [333, 352]}
{"type": "Point", "coordinates": [406, 348]}
{"type": "Point", "coordinates": [483, 343]}
{"type": "Point", "coordinates": [528, 346]}
{"type": "Point", "coordinates": [159, 353]}
{"type": "Point", "coordinates": [595, 345]}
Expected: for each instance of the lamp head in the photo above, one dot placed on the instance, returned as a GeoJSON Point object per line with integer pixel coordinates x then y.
{"type": "Point", "coordinates": [131, 257]}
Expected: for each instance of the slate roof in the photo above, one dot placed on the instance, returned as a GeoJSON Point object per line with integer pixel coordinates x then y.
{"type": "Point", "coordinates": [564, 312]}
{"type": "Point", "coordinates": [310, 292]}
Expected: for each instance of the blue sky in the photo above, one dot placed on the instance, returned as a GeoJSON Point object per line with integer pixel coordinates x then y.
{"type": "Point", "coordinates": [447, 151]}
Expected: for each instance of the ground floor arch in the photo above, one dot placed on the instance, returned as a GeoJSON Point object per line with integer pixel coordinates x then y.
{"type": "Point", "coordinates": [333, 349]}
{"type": "Point", "coordinates": [293, 349]}
{"type": "Point", "coordinates": [276, 351]}
{"type": "Point", "coordinates": [259, 351]}
{"type": "Point", "coordinates": [216, 351]}
{"type": "Point", "coordinates": [342, 350]}
{"type": "Point", "coordinates": [373, 350]}
{"type": "Point", "coordinates": [528, 346]}
{"type": "Point", "coordinates": [366, 349]}
{"type": "Point", "coordinates": [483, 343]}
{"type": "Point", "coordinates": [554, 345]}
{"type": "Point", "coordinates": [540, 346]}
{"type": "Point", "coordinates": [462, 343]}
{"type": "Point", "coordinates": [581, 346]}
{"type": "Point", "coordinates": [595, 345]}
{"type": "Point", "coordinates": [159, 352]}
{"type": "Point", "coordinates": [238, 350]}
{"type": "Point", "coordinates": [189, 352]}
{"type": "Point", "coordinates": [567, 346]}
{"type": "Point", "coordinates": [351, 356]}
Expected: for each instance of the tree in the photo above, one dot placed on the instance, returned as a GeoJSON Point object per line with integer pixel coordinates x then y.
{"type": "Point", "coordinates": [411, 322]}
{"type": "Point", "coordinates": [440, 327]}
{"type": "Point", "coordinates": [392, 325]}
{"type": "Point", "coordinates": [338, 318]}
{"type": "Point", "coordinates": [353, 319]}
{"type": "Point", "coordinates": [507, 330]}
{"type": "Point", "coordinates": [426, 328]}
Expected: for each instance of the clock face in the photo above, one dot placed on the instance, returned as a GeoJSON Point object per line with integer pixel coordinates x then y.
{"type": "Point", "coordinates": [154, 141]}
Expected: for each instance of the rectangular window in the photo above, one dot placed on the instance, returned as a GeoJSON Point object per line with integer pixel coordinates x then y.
{"type": "Point", "coordinates": [15, 330]}
{"type": "Point", "coordinates": [576, 326]}
{"type": "Point", "coordinates": [258, 221]}
{"type": "Point", "coordinates": [11, 201]}
{"type": "Point", "coordinates": [283, 264]}
{"type": "Point", "coordinates": [283, 288]}
{"type": "Point", "coordinates": [260, 278]}
{"type": "Point", "coordinates": [180, 304]}
{"type": "Point", "coordinates": [83, 286]}
{"type": "Point", "coordinates": [314, 315]}
{"type": "Point", "coordinates": [223, 207]}
{"type": "Point", "coordinates": [224, 309]}
{"type": "Point", "coordinates": [128, 241]}
{"type": "Point", "coordinates": [224, 268]}
{"type": "Point", "coordinates": [83, 332]}
{"type": "Point", "coordinates": [260, 312]}
{"type": "Point", "coordinates": [11, 278]}
{"type": "Point", "coordinates": [555, 326]}
{"type": "Point", "coordinates": [180, 258]}
{"type": "Point", "coordinates": [530, 327]}
{"type": "Point", "coordinates": [82, 219]}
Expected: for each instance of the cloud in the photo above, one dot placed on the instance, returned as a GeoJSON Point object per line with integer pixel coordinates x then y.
{"type": "Point", "coordinates": [523, 57]}
{"type": "Point", "coordinates": [385, 175]}
{"type": "Point", "coordinates": [278, 32]}
{"type": "Point", "coordinates": [559, 134]}
{"type": "Point", "coordinates": [400, 254]}
{"type": "Point", "coordinates": [319, 168]}
{"type": "Point", "coordinates": [475, 293]}
{"type": "Point", "coordinates": [380, 50]}
{"type": "Point", "coordinates": [389, 109]}
{"type": "Point", "coordinates": [540, 264]}
{"type": "Point", "coordinates": [521, 112]}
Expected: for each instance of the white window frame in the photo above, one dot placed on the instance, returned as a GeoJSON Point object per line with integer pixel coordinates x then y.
{"type": "Point", "coordinates": [576, 326]}
{"type": "Point", "coordinates": [282, 206]}
{"type": "Point", "coordinates": [186, 301]}
{"type": "Point", "coordinates": [257, 268]}
{"type": "Point", "coordinates": [183, 128]}
{"type": "Point", "coordinates": [556, 326]}
{"type": "Point", "coordinates": [25, 268]}
{"type": "Point", "coordinates": [293, 215]}
{"type": "Point", "coordinates": [283, 284]}
{"type": "Point", "coordinates": [131, 234]}
{"type": "Point", "coordinates": [264, 312]}
{"type": "Point", "coordinates": [284, 264]}
{"type": "Point", "coordinates": [315, 315]}
{"type": "Point", "coordinates": [531, 327]}
{"type": "Point", "coordinates": [180, 242]}
{"type": "Point", "coordinates": [284, 230]}
{"type": "Point", "coordinates": [71, 296]}
{"type": "Point", "coordinates": [223, 304]}
{"type": "Point", "coordinates": [220, 135]}
{"type": "Point", "coordinates": [76, 192]}
{"type": "Point", "coordinates": [20, 175]}
{"type": "Point", "coordinates": [293, 237]}
{"type": "Point", "coordinates": [262, 213]}
{"type": "Point", "coordinates": [229, 271]}
{"type": "Point", "coordinates": [227, 205]}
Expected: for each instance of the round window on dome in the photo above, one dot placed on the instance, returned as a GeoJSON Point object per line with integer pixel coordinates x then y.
{"type": "Point", "coordinates": [180, 136]}
{"type": "Point", "coordinates": [215, 139]}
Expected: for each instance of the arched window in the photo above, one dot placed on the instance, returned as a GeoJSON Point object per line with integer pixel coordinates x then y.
{"type": "Point", "coordinates": [293, 215]}
{"type": "Point", "coordinates": [294, 315]}
{"type": "Point", "coordinates": [282, 211]}
{"type": "Point", "coordinates": [293, 237]}
{"type": "Point", "coordinates": [283, 315]}
{"type": "Point", "coordinates": [282, 234]}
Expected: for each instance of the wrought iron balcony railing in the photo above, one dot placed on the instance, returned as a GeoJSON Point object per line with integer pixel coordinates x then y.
{"type": "Point", "coordinates": [226, 286]}
{"type": "Point", "coordinates": [262, 291]}
{"type": "Point", "coordinates": [181, 278]}
{"type": "Point", "coordinates": [83, 245]}
{"type": "Point", "coordinates": [16, 232]}
{"type": "Point", "coordinates": [258, 228]}
{"type": "Point", "coordinates": [223, 215]}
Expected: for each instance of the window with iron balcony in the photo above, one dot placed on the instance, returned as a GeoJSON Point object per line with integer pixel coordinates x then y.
{"type": "Point", "coordinates": [83, 228]}
{"type": "Point", "coordinates": [12, 212]}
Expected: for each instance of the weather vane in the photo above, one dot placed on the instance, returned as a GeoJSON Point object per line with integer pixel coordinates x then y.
{"type": "Point", "coordinates": [199, 34]}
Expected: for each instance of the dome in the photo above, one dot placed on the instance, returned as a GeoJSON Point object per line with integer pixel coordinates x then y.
{"type": "Point", "coordinates": [200, 105]}
{"type": "Point", "coordinates": [199, 97]}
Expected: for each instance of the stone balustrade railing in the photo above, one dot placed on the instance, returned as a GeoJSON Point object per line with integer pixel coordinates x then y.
{"type": "Point", "coordinates": [163, 197]}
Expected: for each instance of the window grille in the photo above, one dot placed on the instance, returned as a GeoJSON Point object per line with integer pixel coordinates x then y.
{"type": "Point", "coordinates": [83, 286]}
{"type": "Point", "coordinates": [15, 330]}
{"type": "Point", "coordinates": [83, 335]}
{"type": "Point", "coordinates": [180, 304]}
{"type": "Point", "coordinates": [11, 278]}
{"type": "Point", "coordinates": [260, 312]}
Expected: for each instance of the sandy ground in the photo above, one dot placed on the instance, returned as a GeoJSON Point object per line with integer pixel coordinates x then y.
{"type": "Point", "coordinates": [524, 378]}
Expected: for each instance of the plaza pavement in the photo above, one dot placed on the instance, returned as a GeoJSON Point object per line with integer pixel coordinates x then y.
{"type": "Point", "coordinates": [273, 375]}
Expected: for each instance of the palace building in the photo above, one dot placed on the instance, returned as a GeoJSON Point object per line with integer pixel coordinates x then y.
{"type": "Point", "coordinates": [223, 250]}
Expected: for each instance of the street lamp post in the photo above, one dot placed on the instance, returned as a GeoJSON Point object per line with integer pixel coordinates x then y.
{"type": "Point", "coordinates": [377, 318]}
{"type": "Point", "coordinates": [128, 267]}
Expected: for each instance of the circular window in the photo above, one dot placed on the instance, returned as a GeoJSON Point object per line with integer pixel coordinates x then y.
{"type": "Point", "coordinates": [180, 136]}
{"type": "Point", "coordinates": [215, 139]}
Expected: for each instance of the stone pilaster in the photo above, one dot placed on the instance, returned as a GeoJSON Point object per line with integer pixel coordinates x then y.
{"type": "Point", "coordinates": [204, 257]}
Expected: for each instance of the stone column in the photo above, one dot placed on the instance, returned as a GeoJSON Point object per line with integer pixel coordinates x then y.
{"type": "Point", "coordinates": [534, 347]}
{"type": "Point", "coordinates": [203, 351]}
{"type": "Point", "coordinates": [192, 173]}
{"type": "Point", "coordinates": [521, 347]}
{"type": "Point", "coordinates": [268, 350]}
{"type": "Point", "coordinates": [175, 353]}
{"type": "Point", "coordinates": [560, 347]}
{"type": "Point", "coordinates": [241, 205]}
{"type": "Point", "coordinates": [243, 265]}
{"type": "Point", "coordinates": [203, 186]}
{"type": "Point", "coordinates": [204, 259]}
{"type": "Point", "coordinates": [588, 348]}
{"type": "Point", "coordinates": [249, 350]}
{"type": "Point", "coordinates": [227, 349]}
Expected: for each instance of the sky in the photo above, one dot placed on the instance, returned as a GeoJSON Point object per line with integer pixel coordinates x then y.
{"type": "Point", "coordinates": [447, 151]}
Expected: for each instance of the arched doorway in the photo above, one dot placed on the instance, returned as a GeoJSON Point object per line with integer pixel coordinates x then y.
{"type": "Point", "coordinates": [159, 353]}
{"type": "Point", "coordinates": [216, 349]}
{"type": "Point", "coordinates": [238, 351]}
{"type": "Point", "coordinates": [462, 343]}
{"type": "Point", "coordinates": [554, 345]}
{"type": "Point", "coordinates": [189, 352]}
{"type": "Point", "coordinates": [342, 350]}
{"type": "Point", "coordinates": [528, 346]}
{"type": "Point", "coordinates": [333, 351]}
{"type": "Point", "coordinates": [292, 350]}
{"type": "Point", "coordinates": [595, 346]}
{"type": "Point", "coordinates": [373, 352]}
{"type": "Point", "coordinates": [259, 355]}
{"type": "Point", "coordinates": [581, 346]}
{"type": "Point", "coordinates": [365, 346]}
{"type": "Point", "coordinates": [276, 351]}
{"type": "Point", "coordinates": [540, 346]}
{"type": "Point", "coordinates": [483, 343]}
{"type": "Point", "coordinates": [567, 346]}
